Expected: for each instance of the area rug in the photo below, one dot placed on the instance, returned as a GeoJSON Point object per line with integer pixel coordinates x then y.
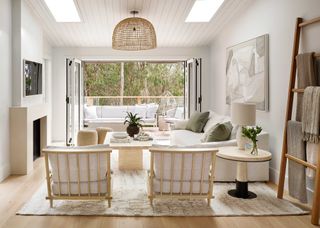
{"type": "Point", "coordinates": [130, 199]}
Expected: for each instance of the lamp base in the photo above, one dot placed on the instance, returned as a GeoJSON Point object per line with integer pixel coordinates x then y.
{"type": "Point", "coordinates": [241, 141]}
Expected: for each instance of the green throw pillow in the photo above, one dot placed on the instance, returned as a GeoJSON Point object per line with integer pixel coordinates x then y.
{"type": "Point", "coordinates": [219, 132]}
{"type": "Point", "coordinates": [197, 121]}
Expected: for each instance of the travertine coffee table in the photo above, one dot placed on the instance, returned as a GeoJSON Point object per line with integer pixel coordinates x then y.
{"type": "Point", "coordinates": [131, 154]}
{"type": "Point", "coordinates": [242, 158]}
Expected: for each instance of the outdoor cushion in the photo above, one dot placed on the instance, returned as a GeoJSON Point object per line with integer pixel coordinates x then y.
{"type": "Point", "coordinates": [141, 110]}
{"type": "Point", "coordinates": [197, 121]}
{"type": "Point", "coordinates": [152, 110]}
{"type": "Point", "coordinates": [114, 111]}
{"type": "Point", "coordinates": [90, 112]}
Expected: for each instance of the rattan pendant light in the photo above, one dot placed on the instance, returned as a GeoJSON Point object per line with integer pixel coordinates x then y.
{"type": "Point", "coordinates": [134, 34]}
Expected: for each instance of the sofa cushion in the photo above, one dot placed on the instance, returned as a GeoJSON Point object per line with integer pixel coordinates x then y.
{"type": "Point", "coordinates": [219, 132]}
{"type": "Point", "coordinates": [184, 138]}
{"type": "Point", "coordinates": [90, 112]}
{"type": "Point", "coordinates": [197, 121]}
{"type": "Point", "coordinates": [114, 111]}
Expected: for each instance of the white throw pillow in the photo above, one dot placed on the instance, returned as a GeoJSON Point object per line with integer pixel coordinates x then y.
{"type": "Point", "coordinates": [90, 112]}
{"type": "Point", "coordinates": [214, 118]}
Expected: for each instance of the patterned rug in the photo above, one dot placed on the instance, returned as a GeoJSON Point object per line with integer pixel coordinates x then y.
{"type": "Point", "coordinates": [130, 199]}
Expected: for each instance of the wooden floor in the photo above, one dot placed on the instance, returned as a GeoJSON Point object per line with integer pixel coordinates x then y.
{"type": "Point", "coordinates": [16, 190]}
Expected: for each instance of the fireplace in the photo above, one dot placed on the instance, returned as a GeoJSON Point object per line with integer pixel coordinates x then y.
{"type": "Point", "coordinates": [36, 139]}
{"type": "Point", "coordinates": [28, 135]}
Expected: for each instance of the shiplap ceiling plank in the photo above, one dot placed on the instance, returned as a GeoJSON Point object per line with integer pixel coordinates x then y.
{"type": "Point", "coordinates": [99, 17]}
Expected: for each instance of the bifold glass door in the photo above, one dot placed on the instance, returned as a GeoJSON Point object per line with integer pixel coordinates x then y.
{"type": "Point", "coordinates": [74, 100]}
{"type": "Point", "coordinates": [193, 87]}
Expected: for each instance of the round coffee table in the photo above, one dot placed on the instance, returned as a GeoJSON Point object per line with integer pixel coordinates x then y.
{"type": "Point", "coordinates": [242, 158]}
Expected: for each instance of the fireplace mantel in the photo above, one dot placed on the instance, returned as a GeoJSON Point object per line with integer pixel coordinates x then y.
{"type": "Point", "coordinates": [21, 135]}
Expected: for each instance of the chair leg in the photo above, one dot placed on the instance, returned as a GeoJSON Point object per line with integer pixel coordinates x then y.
{"type": "Point", "coordinates": [209, 201]}
{"type": "Point", "coordinates": [109, 203]}
{"type": "Point", "coordinates": [51, 203]}
{"type": "Point", "coordinates": [151, 201]}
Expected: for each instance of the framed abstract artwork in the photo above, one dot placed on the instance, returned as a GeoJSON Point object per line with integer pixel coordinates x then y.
{"type": "Point", "coordinates": [247, 72]}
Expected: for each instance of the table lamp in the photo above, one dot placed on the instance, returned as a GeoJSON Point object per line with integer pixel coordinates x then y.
{"type": "Point", "coordinates": [243, 114]}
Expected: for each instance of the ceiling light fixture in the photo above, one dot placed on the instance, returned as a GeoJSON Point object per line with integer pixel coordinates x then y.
{"type": "Point", "coordinates": [63, 10]}
{"type": "Point", "coordinates": [203, 10]}
{"type": "Point", "coordinates": [134, 34]}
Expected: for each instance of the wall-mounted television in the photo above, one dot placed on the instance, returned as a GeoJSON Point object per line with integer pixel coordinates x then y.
{"type": "Point", "coordinates": [32, 72]}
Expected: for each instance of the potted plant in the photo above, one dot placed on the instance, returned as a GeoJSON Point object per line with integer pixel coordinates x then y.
{"type": "Point", "coordinates": [134, 123]}
{"type": "Point", "coordinates": [251, 133]}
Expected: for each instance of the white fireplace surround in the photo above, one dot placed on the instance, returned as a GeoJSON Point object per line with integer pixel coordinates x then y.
{"type": "Point", "coordinates": [21, 135]}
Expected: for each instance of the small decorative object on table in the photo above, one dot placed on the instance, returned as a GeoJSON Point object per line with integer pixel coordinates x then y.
{"type": "Point", "coordinates": [134, 122]}
{"type": "Point", "coordinates": [251, 133]}
{"type": "Point", "coordinates": [143, 136]}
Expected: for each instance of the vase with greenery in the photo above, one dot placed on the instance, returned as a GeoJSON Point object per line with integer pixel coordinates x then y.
{"type": "Point", "coordinates": [134, 123]}
{"type": "Point", "coordinates": [251, 133]}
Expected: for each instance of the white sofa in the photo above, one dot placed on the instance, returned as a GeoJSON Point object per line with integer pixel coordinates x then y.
{"type": "Point", "coordinates": [225, 170]}
{"type": "Point", "coordinates": [113, 116]}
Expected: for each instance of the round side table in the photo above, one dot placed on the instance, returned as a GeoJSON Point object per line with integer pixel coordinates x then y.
{"type": "Point", "coordinates": [242, 158]}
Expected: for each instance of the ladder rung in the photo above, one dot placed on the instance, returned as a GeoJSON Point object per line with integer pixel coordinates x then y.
{"type": "Point", "coordinates": [302, 162]}
{"type": "Point", "coordinates": [309, 22]}
{"type": "Point", "coordinates": [297, 90]}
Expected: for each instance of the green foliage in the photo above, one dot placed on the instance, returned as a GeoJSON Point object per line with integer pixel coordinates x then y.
{"type": "Point", "coordinates": [133, 119]}
{"type": "Point", "coordinates": [140, 78]}
{"type": "Point", "coordinates": [251, 133]}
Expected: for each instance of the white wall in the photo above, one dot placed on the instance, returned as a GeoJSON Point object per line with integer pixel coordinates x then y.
{"type": "Point", "coordinates": [5, 85]}
{"type": "Point", "coordinates": [277, 18]}
{"type": "Point", "coordinates": [59, 73]}
{"type": "Point", "coordinates": [28, 44]}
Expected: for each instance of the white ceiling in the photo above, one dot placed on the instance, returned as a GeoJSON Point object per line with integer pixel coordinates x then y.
{"type": "Point", "coordinates": [99, 18]}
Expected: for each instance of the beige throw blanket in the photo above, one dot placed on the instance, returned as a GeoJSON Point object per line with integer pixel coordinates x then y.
{"type": "Point", "coordinates": [311, 114]}
{"type": "Point", "coordinates": [305, 76]}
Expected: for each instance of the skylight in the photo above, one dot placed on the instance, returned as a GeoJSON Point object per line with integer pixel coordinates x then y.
{"type": "Point", "coordinates": [63, 10]}
{"type": "Point", "coordinates": [203, 10]}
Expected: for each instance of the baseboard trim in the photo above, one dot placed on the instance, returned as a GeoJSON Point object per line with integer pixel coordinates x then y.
{"type": "Point", "coordinates": [4, 172]}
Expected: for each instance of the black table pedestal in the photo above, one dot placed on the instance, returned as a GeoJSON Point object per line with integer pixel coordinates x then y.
{"type": "Point", "coordinates": [241, 191]}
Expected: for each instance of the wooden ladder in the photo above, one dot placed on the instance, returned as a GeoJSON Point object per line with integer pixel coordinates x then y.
{"type": "Point", "coordinates": [300, 23]}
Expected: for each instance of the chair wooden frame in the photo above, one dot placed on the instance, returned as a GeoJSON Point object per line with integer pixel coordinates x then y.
{"type": "Point", "coordinates": [300, 23]}
{"type": "Point", "coordinates": [185, 151]}
{"type": "Point", "coordinates": [79, 196]}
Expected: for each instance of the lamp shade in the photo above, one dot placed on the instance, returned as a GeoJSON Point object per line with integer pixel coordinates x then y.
{"type": "Point", "coordinates": [134, 34]}
{"type": "Point", "coordinates": [243, 114]}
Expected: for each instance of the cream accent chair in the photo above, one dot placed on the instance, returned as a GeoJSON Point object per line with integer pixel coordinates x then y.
{"type": "Point", "coordinates": [181, 173]}
{"type": "Point", "coordinates": [78, 173]}
{"type": "Point", "coordinates": [102, 133]}
{"type": "Point", "coordinates": [87, 138]}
